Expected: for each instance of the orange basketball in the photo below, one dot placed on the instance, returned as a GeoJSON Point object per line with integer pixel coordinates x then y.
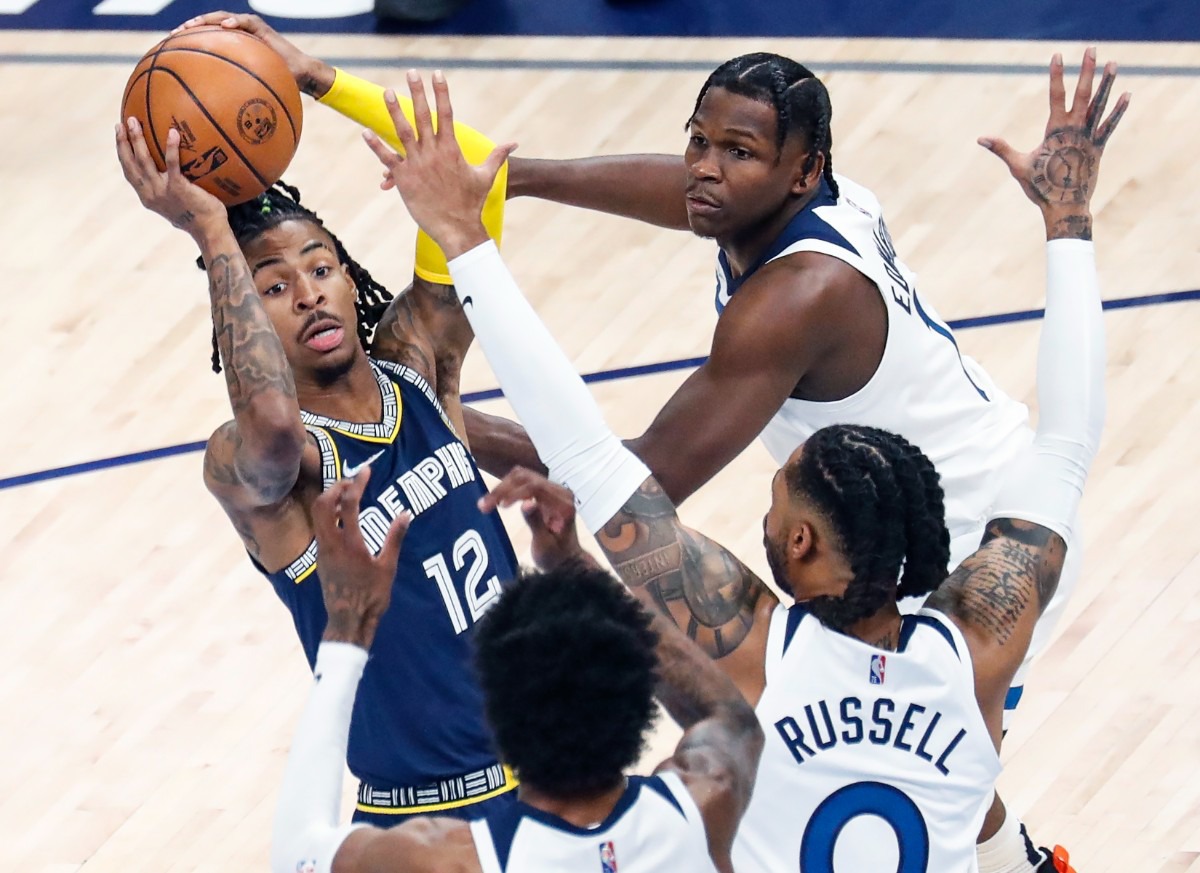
{"type": "Point", "coordinates": [233, 101]}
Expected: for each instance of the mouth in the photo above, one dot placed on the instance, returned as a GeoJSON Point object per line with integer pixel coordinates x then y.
{"type": "Point", "coordinates": [323, 335]}
{"type": "Point", "coordinates": [699, 204]}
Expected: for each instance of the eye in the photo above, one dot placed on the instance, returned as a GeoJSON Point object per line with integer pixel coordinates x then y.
{"type": "Point", "coordinates": [741, 154]}
{"type": "Point", "coordinates": [277, 288]}
{"type": "Point", "coordinates": [697, 140]}
{"type": "Point", "coordinates": [322, 271]}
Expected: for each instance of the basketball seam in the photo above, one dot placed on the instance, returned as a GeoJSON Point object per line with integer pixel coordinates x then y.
{"type": "Point", "coordinates": [149, 116]}
{"type": "Point", "coordinates": [249, 166]}
{"type": "Point", "coordinates": [252, 74]}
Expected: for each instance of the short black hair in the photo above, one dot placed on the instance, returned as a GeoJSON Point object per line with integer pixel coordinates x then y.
{"type": "Point", "coordinates": [885, 502]}
{"type": "Point", "coordinates": [280, 203]}
{"type": "Point", "coordinates": [567, 664]}
{"type": "Point", "coordinates": [800, 99]}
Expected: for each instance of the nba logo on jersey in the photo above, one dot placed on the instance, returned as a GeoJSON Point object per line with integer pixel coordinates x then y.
{"type": "Point", "coordinates": [608, 858]}
{"type": "Point", "coordinates": [878, 663]}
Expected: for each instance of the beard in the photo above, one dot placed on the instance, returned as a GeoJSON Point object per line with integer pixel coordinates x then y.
{"type": "Point", "coordinates": [331, 373]}
{"type": "Point", "coordinates": [862, 599]}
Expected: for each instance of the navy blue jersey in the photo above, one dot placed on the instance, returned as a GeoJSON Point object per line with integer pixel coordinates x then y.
{"type": "Point", "coordinates": [418, 716]}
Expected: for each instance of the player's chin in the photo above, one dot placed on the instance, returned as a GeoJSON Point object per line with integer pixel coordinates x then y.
{"type": "Point", "coordinates": [704, 226]}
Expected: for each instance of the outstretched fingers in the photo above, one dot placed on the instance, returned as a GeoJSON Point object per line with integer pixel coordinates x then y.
{"type": "Point", "coordinates": [445, 112]}
{"type": "Point", "coordinates": [422, 117]}
{"type": "Point", "coordinates": [1096, 108]}
{"type": "Point", "coordinates": [1058, 90]}
{"type": "Point", "coordinates": [1110, 124]}
{"type": "Point", "coordinates": [1083, 88]}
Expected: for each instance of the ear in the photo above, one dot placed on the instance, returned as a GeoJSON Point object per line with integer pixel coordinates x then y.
{"type": "Point", "coordinates": [803, 183]}
{"type": "Point", "coordinates": [801, 542]}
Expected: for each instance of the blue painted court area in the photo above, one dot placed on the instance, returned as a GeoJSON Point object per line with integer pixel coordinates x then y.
{"type": "Point", "coordinates": [601, 376]}
{"type": "Point", "coordinates": [1142, 20]}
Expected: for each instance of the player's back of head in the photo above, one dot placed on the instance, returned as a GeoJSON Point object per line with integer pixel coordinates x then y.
{"type": "Point", "coordinates": [884, 500]}
{"type": "Point", "coordinates": [567, 665]}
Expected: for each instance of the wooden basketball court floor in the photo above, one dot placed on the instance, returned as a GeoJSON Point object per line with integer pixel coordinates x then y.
{"type": "Point", "coordinates": [151, 680]}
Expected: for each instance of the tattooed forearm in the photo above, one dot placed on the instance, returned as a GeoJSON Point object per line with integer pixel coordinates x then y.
{"type": "Point", "coordinates": [255, 364]}
{"type": "Point", "coordinates": [1007, 582]}
{"type": "Point", "coordinates": [688, 578]}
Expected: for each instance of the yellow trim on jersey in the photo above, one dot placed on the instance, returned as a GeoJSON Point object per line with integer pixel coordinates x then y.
{"type": "Point", "coordinates": [306, 573]}
{"type": "Point", "coordinates": [510, 784]}
{"type": "Point", "coordinates": [337, 459]}
{"type": "Point", "coordinates": [371, 439]}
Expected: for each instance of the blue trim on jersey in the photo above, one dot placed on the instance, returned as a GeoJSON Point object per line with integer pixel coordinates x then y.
{"type": "Point", "coordinates": [656, 784]}
{"type": "Point", "coordinates": [939, 328]}
{"type": "Point", "coordinates": [805, 224]}
{"type": "Point", "coordinates": [632, 790]}
{"type": "Point", "coordinates": [502, 825]}
{"type": "Point", "coordinates": [794, 617]}
{"type": "Point", "coordinates": [1013, 697]}
{"type": "Point", "coordinates": [909, 623]}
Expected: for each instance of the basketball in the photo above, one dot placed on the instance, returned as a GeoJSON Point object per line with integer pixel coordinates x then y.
{"type": "Point", "coordinates": [233, 101]}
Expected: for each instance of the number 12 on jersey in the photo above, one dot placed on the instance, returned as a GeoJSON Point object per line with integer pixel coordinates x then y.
{"type": "Point", "coordinates": [480, 593]}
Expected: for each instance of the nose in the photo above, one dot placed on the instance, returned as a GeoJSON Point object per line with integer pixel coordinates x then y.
{"type": "Point", "coordinates": [308, 294]}
{"type": "Point", "coordinates": [704, 166]}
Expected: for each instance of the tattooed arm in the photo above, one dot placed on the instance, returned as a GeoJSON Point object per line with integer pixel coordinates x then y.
{"type": "Point", "coordinates": [425, 329]}
{"type": "Point", "coordinates": [255, 460]}
{"type": "Point", "coordinates": [996, 597]}
{"type": "Point", "coordinates": [696, 583]}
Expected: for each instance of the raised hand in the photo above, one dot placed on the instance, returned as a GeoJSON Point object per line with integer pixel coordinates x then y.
{"type": "Point", "coordinates": [356, 585]}
{"type": "Point", "coordinates": [1060, 175]}
{"type": "Point", "coordinates": [169, 194]}
{"type": "Point", "coordinates": [313, 76]}
{"type": "Point", "coordinates": [444, 193]}
{"type": "Point", "coordinates": [549, 510]}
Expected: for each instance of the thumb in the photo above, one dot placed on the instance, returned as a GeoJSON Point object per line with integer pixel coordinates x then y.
{"type": "Point", "coordinates": [390, 553]}
{"type": "Point", "coordinates": [496, 159]}
{"type": "Point", "coordinates": [1001, 149]}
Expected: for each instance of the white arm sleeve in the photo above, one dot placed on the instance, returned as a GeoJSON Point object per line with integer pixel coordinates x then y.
{"type": "Point", "coordinates": [1045, 483]}
{"type": "Point", "coordinates": [551, 400]}
{"type": "Point", "coordinates": [306, 829]}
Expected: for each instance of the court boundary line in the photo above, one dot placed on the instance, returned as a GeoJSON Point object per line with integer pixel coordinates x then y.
{"type": "Point", "coordinates": [623, 64]}
{"type": "Point", "coordinates": [616, 374]}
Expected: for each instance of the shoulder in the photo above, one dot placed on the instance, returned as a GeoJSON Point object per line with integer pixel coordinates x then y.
{"type": "Point", "coordinates": [433, 844]}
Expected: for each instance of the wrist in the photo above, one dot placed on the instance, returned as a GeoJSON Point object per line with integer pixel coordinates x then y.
{"type": "Point", "coordinates": [316, 78]}
{"type": "Point", "coordinates": [461, 239]}
{"type": "Point", "coordinates": [353, 629]}
{"type": "Point", "coordinates": [210, 231]}
{"type": "Point", "coordinates": [1068, 223]}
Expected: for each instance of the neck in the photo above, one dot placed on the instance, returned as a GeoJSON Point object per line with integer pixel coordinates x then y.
{"type": "Point", "coordinates": [881, 630]}
{"type": "Point", "coordinates": [745, 248]}
{"type": "Point", "coordinates": [351, 396]}
{"type": "Point", "coordinates": [583, 812]}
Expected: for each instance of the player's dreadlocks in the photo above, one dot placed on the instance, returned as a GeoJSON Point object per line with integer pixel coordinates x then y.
{"type": "Point", "coordinates": [884, 500]}
{"type": "Point", "coordinates": [800, 100]}
{"type": "Point", "coordinates": [281, 203]}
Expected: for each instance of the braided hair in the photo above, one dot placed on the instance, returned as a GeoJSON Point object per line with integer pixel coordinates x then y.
{"type": "Point", "coordinates": [800, 99]}
{"type": "Point", "coordinates": [885, 503]}
{"type": "Point", "coordinates": [281, 203]}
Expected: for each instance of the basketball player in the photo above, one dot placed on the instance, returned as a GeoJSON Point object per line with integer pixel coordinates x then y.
{"type": "Point", "coordinates": [567, 661]}
{"type": "Point", "coordinates": [882, 729]}
{"type": "Point", "coordinates": [293, 314]}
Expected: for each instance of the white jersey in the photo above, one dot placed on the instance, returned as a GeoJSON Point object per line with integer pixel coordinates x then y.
{"type": "Point", "coordinates": [924, 389]}
{"type": "Point", "coordinates": [873, 760]}
{"type": "Point", "coordinates": [655, 827]}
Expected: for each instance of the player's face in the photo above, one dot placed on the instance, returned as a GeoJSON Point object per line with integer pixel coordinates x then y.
{"type": "Point", "coordinates": [738, 180]}
{"type": "Point", "coordinates": [801, 547]}
{"type": "Point", "coordinates": [308, 296]}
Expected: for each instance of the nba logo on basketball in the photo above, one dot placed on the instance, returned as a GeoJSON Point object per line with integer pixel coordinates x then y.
{"type": "Point", "coordinates": [608, 858]}
{"type": "Point", "coordinates": [878, 663]}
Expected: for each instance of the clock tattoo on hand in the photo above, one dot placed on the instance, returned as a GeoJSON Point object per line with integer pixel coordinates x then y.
{"type": "Point", "coordinates": [1064, 167]}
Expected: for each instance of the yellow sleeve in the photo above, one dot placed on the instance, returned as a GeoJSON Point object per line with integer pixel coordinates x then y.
{"type": "Point", "coordinates": [362, 101]}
